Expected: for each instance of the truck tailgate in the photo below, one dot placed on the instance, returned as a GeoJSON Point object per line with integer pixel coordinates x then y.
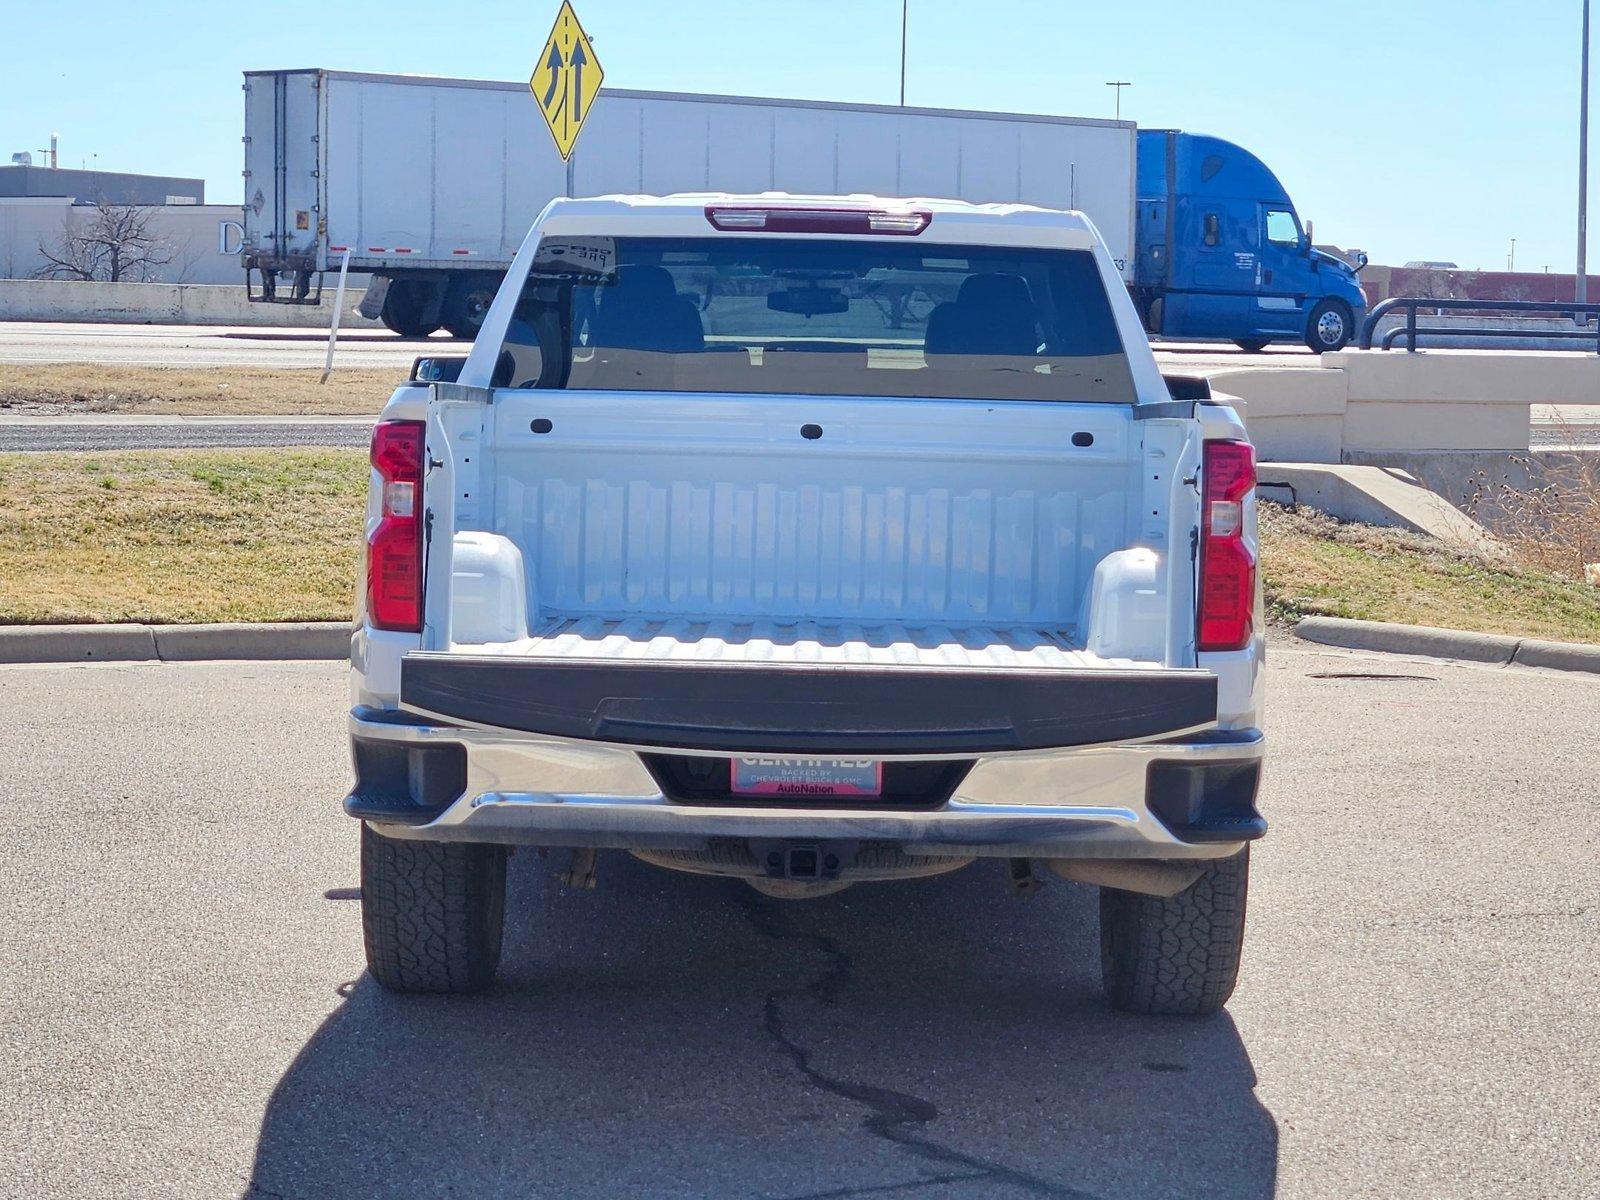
{"type": "Point", "coordinates": [807, 688]}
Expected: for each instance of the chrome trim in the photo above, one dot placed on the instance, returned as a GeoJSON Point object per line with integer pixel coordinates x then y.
{"type": "Point", "coordinates": [564, 792]}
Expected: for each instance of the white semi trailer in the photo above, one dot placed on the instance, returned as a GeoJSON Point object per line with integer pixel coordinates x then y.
{"type": "Point", "coordinates": [431, 184]}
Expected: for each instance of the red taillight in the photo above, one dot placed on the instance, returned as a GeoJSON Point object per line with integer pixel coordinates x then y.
{"type": "Point", "coordinates": [771, 218]}
{"type": "Point", "coordinates": [394, 550]}
{"type": "Point", "coordinates": [1227, 565]}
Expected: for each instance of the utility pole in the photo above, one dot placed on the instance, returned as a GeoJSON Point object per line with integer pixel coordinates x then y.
{"type": "Point", "coordinates": [906, 5]}
{"type": "Point", "coordinates": [1582, 296]}
{"type": "Point", "coordinates": [1119, 84]}
{"type": "Point", "coordinates": [1511, 259]}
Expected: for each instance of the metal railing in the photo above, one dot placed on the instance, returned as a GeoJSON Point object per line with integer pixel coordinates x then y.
{"type": "Point", "coordinates": [1411, 331]}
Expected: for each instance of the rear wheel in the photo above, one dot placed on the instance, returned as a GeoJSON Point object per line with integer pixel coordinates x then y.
{"type": "Point", "coordinates": [1179, 954]}
{"type": "Point", "coordinates": [466, 303]}
{"type": "Point", "coordinates": [1330, 326]}
{"type": "Point", "coordinates": [1251, 345]}
{"type": "Point", "coordinates": [431, 912]}
{"type": "Point", "coordinates": [405, 308]}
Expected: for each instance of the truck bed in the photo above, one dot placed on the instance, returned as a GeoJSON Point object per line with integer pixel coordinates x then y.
{"type": "Point", "coordinates": [807, 643]}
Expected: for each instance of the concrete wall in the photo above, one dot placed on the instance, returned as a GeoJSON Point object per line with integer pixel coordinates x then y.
{"type": "Point", "coordinates": [165, 304]}
{"type": "Point", "coordinates": [1369, 402]}
{"type": "Point", "coordinates": [190, 231]}
{"type": "Point", "coordinates": [1294, 414]}
{"type": "Point", "coordinates": [1472, 480]}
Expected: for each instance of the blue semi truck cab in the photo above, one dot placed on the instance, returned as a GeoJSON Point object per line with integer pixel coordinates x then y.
{"type": "Point", "coordinates": [1221, 252]}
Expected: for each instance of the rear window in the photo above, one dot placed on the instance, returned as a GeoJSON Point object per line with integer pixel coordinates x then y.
{"type": "Point", "coordinates": [815, 316]}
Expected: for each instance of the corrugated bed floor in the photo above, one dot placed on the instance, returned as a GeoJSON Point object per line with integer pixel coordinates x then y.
{"type": "Point", "coordinates": [805, 642]}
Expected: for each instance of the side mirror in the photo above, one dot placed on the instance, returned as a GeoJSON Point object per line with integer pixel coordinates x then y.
{"type": "Point", "coordinates": [437, 369]}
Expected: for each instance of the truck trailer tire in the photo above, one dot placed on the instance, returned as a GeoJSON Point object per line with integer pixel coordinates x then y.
{"type": "Point", "coordinates": [405, 308]}
{"type": "Point", "coordinates": [466, 303]}
{"type": "Point", "coordinates": [1330, 326]}
{"type": "Point", "coordinates": [431, 912]}
{"type": "Point", "coordinates": [1252, 345]}
{"type": "Point", "coordinates": [1177, 955]}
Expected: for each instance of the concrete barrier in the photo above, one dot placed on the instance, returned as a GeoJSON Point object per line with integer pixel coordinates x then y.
{"type": "Point", "coordinates": [1373, 496]}
{"type": "Point", "coordinates": [165, 304]}
{"type": "Point", "coordinates": [1474, 481]}
{"type": "Point", "coordinates": [1369, 402]}
{"type": "Point", "coordinates": [1294, 414]}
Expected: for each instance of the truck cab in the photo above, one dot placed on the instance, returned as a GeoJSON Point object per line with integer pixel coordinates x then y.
{"type": "Point", "coordinates": [1224, 254]}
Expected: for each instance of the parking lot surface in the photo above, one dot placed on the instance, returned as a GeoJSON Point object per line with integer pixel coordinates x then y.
{"type": "Point", "coordinates": [185, 1012]}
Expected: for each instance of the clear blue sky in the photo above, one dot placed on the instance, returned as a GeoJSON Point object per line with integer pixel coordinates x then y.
{"type": "Point", "coordinates": [1435, 129]}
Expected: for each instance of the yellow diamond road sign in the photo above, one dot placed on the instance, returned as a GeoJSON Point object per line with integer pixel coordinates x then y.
{"type": "Point", "coordinates": [566, 80]}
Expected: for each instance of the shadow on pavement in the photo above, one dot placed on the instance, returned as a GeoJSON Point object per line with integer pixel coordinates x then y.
{"type": "Point", "coordinates": [668, 1035]}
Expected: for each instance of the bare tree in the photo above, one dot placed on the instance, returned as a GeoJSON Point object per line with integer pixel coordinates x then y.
{"type": "Point", "coordinates": [117, 244]}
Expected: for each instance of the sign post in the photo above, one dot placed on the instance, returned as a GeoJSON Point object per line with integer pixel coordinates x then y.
{"type": "Point", "coordinates": [566, 83]}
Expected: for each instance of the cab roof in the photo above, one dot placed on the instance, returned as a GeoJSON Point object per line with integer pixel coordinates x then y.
{"type": "Point", "coordinates": [691, 214]}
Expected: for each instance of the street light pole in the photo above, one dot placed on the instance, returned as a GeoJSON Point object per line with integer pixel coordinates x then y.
{"type": "Point", "coordinates": [904, 5]}
{"type": "Point", "coordinates": [1582, 296]}
{"type": "Point", "coordinates": [1119, 84]}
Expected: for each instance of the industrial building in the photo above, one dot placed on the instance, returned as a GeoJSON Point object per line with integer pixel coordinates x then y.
{"type": "Point", "coordinates": [99, 187]}
{"type": "Point", "coordinates": [40, 206]}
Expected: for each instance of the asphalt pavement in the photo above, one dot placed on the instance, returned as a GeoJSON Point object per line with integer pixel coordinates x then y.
{"type": "Point", "coordinates": [186, 1015]}
{"type": "Point", "coordinates": [255, 346]}
{"type": "Point", "coordinates": [208, 345]}
{"type": "Point", "coordinates": [113, 431]}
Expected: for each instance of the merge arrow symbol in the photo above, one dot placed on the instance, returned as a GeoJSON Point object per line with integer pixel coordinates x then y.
{"type": "Point", "coordinates": [554, 64]}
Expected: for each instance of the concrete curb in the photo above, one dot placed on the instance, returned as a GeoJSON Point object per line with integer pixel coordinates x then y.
{"type": "Point", "coordinates": [173, 643]}
{"type": "Point", "coordinates": [1449, 643]}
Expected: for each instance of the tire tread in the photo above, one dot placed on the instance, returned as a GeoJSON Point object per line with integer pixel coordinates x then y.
{"type": "Point", "coordinates": [1179, 954]}
{"type": "Point", "coordinates": [431, 913]}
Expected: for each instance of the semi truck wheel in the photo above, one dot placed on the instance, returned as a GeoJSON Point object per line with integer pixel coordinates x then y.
{"type": "Point", "coordinates": [1330, 326]}
{"type": "Point", "coordinates": [1251, 345]}
{"type": "Point", "coordinates": [431, 912]}
{"type": "Point", "coordinates": [1177, 955]}
{"type": "Point", "coordinates": [405, 309]}
{"type": "Point", "coordinates": [466, 303]}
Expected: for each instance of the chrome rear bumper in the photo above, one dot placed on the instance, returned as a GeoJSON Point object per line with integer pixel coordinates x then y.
{"type": "Point", "coordinates": [1188, 798]}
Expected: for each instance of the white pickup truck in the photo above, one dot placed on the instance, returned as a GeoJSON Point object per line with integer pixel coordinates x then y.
{"type": "Point", "coordinates": [810, 541]}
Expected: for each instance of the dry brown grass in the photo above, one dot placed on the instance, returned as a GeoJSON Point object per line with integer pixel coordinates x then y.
{"type": "Point", "coordinates": [1549, 520]}
{"type": "Point", "coordinates": [1315, 565]}
{"type": "Point", "coordinates": [50, 388]}
{"type": "Point", "coordinates": [176, 535]}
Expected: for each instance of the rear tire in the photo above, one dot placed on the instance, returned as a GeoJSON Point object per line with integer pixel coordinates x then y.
{"type": "Point", "coordinates": [431, 912]}
{"type": "Point", "coordinates": [1177, 955]}
{"type": "Point", "coordinates": [1252, 345]}
{"type": "Point", "coordinates": [405, 308]}
{"type": "Point", "coordinates": [1330, 326]}
{"type": "Point", "coordinates": [466, 303]}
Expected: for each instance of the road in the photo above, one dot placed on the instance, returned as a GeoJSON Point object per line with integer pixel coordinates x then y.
{"type": "Point", "coordinates": [245, 346]}
{"type": "Point", "coordinates": [206, 345]}
{"type": "Point", "coordinates": [112, 431]}
{"type": "Point", "coordinates": [185, 1013]}
{"type": "Point", "coordinates": [211, 345]}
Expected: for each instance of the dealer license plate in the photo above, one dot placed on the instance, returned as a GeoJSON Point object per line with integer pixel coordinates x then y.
{"type": "Point", "coordinates": [803, 777]}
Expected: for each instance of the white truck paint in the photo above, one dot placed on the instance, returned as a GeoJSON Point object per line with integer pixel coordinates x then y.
{"type": "Point", "coordinates": [629, 589]}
